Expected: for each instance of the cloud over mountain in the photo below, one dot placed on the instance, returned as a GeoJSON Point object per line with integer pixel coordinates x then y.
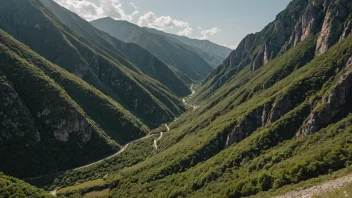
{"type": "Point", "coordinates": [206, 33]}
{"type": "Point", "coordinates": [104, 8]}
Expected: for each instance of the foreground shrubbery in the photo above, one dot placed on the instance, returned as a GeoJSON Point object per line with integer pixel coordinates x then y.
{"type": "Point", "coordinates": [11, 187]}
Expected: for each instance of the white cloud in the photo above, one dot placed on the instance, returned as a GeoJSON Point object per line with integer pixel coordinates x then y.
{"type": "Point", "coordinates": [187, 31]}
{"type": "Point", "coordinates": [104, 8]}
{"type": "Point", "coordinates": [115, 9]}
{"type": "Point", "coordinates": [206, 33]}
{"type": "Point", "coordinates": [151, 20]}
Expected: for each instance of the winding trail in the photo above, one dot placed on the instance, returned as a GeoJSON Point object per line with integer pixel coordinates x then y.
{"type": "Point", "coordinates": [118, 152]}
{"type": "Point", "coordinates": [184, 100]}
{"type": "Point", "coordinates": [114, 155]}
{"type": "Point", "coordinates": [161, 136]}
{"type": "Point", "coordinates": [88, 165]}
{"type": "Point", "coordinates": [319, 189]}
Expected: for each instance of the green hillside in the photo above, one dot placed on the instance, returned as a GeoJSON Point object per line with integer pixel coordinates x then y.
{"type": "Point", "coordinates": [43, 128]}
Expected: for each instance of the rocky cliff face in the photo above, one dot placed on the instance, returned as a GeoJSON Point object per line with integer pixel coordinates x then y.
{"type": "Point", "coordinates": [261, 117]}
{"type": "Point", "coordinates": [309, 22]}
{"type": "Point", "coordinates": [334, 25]}
{"type": "Point", "coordinates": [330, 106]}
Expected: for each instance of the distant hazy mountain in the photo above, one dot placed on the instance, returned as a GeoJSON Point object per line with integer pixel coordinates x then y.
{"type": "Point", "coordinates": [213, 53]}
{"type": "Point", "coordinates": [195, 58]}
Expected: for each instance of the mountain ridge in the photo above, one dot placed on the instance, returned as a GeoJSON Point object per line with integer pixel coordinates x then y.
{"type": "Point", "coordinates": [169, 49]}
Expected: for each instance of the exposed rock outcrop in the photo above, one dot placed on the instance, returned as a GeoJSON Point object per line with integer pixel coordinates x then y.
{"type": "Point", "coordinates": [333, 26]}
{"type": "Point", "coordinates": [280, 107]}
{"type": "Point", "coordinates": [309, 22]}
{"type": "Point", "coordinates": [330, 106]}
{"type": "Point", "coordinates": [347, 31]}
{"type": "Point", "coordinates": [261, 117]}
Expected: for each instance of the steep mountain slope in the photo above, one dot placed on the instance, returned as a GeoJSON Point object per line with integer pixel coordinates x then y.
{"type": "Point", "coordinates": [145, 61]}
{"type": "Point", "coordinates": [284, 122]}
{"type": "Point", "coordinates": [170, 50]}
{"type": "Point", "coordinates": [105, 111]}
{"type": "Point", "coordinates": [42, 128]}
{"type": "Point", "coordinates": [292, 26]}
{"type": "Point", "coordinates": [45, 34]}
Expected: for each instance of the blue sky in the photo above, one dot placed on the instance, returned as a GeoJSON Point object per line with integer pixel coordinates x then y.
{"type": "Point", "coordinates": [224, 22]}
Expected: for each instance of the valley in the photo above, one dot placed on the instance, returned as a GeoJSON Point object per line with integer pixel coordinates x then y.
{"type": "Point", "coordinates": [108, 108]}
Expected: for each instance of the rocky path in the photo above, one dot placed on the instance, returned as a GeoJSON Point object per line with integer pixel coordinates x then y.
{"type": "Point", "coordinates": [161, 136]}
{"type": "Point", "coordinates": [319, 189]}
{"type": "Point", "coordinates": [114, 155]}
{"type": "Point", "coordinates": [53, 192]}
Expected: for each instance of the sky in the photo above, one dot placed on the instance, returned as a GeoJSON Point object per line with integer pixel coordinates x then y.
{"type": "Point", "coordinates": [225, 22]}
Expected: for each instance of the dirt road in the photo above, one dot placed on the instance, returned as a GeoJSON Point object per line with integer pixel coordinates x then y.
{"type": "Point", "coordinates": [319, 189]}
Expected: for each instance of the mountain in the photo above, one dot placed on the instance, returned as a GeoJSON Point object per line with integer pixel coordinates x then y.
{"type": "Point", "coordinates": [290, 27]}
{"type": "Point", "coordinates": [213, 53]}
{"type": "Point", "coordinates": [149, 64]}
{"type": "Point", "coordinates": [262, 126]}
{"type": "Point", "coordinates": [101, 65]}
{"type": "Point", "coordinates": [190, 60]}
{"type": "Point", "coordinates": [43, 128]}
